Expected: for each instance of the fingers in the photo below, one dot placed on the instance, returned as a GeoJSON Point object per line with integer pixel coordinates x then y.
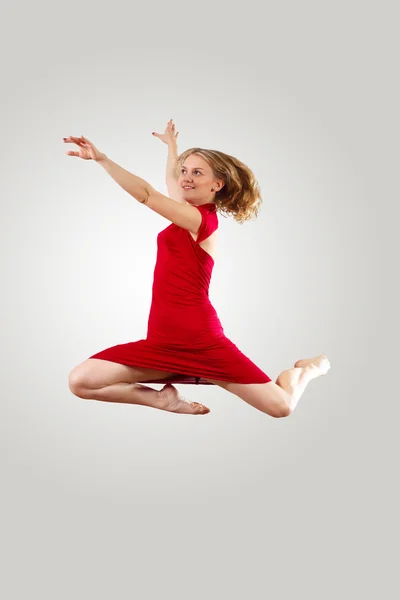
{"type": "Point", "coordinates": [171, 126]}
{"type": "Point", "coordinates": [73, 140]}
{"type": "Point", "coordinates": [76, 140]}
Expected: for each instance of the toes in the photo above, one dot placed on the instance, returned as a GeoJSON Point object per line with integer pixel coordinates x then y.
{"type": "Point", "coordinates": [200, 408]}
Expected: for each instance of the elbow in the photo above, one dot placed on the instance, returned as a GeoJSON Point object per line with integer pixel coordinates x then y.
{"type": "Point", "coordinates": [144, 195]}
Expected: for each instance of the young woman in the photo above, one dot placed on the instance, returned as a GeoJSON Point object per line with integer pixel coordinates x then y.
{"type": "Point", "coordinates": [185, 340]}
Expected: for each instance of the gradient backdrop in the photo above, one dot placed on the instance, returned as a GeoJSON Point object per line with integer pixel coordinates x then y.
{"type": "Point", "coordinates": [103, 500]}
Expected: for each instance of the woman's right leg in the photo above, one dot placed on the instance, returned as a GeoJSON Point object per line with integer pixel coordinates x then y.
{"type": "Point", "coordinates": [96, 373]}
{"type": "Point", "coordinates": [98, 379]}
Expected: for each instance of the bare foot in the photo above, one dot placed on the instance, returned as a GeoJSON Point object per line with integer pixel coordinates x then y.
{"type": "Point", "coordinates": [320, 363]}
{"type": "Point", "coordinates": [173, 402]}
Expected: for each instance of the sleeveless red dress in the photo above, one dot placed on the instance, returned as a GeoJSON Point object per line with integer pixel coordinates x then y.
{"type": "Point", "coordinates": [184, 334]}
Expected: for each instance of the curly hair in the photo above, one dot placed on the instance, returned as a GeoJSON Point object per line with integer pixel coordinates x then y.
{"type": "Point", "coordinates": [240, 196]}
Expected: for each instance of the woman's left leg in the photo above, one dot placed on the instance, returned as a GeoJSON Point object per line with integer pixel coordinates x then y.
{"type": "Point", "coordinates": [279, 399]}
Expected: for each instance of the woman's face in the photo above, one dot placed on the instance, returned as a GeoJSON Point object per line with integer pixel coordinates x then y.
{"type": "Point", "coordinates": [197, 174]}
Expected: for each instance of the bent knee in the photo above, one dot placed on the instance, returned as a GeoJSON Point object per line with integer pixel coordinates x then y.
{"type": "Point", "coordinates": [282, 411]}
{"type": "Point", "coordinates": [286, 412]}
{"type": "Point", "coordinates": [77, 390]}
{"type": "Point", "coordinates": [77, 384]}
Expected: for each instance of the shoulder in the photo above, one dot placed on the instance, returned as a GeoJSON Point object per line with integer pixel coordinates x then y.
{"type": "Point", "coordinates": [209, 221]}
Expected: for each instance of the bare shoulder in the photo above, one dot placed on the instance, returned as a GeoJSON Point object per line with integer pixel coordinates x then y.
{"type": "Point", "coordinates": [182, 214]}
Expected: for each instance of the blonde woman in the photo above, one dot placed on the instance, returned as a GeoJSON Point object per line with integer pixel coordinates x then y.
{"type": "Point", "coordinates": [185, 340]}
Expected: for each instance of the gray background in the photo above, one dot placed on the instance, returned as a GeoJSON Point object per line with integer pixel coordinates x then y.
{"type": "Point", "coordinates": [103, 500]}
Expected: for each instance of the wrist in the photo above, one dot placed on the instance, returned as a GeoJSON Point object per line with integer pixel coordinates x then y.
{"type": "Point", "coordinates": [102, 159]}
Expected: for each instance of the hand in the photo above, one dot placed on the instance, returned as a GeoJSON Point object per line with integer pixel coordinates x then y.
{"type": "Point", "coordinates": [87, 150]}
{"type": "Point", "coordinates": [169, 135]}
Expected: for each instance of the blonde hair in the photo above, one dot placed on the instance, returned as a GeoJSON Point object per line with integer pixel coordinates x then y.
{"type": "Point", "coordinates": [240, 196]}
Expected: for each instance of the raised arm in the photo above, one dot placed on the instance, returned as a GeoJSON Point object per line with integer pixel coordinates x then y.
{"type": "Point", "coordinates": [169, 137]}
{"type": "Point", "coordinates": [174, 190]}
{"type": "Point", "coordinates": [183, 215]}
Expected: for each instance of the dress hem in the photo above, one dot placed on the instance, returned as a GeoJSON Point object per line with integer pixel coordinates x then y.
{"type": "Point", "coordinates": [184, 378]}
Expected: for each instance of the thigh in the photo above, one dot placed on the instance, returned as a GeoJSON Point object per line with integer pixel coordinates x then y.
{"type": "Point", "coordinates": [269, 397]}
{"type": "Point", "coordinates": [95, 373]}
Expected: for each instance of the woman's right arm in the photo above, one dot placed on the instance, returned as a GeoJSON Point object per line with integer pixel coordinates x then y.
{"type": "Point", "coordinates": [169, 137]}
{"type": "Point", "coordinates": [174, 191]}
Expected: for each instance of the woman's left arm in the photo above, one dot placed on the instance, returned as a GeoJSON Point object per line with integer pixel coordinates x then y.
{"type": "Point", "coordinates": [183, 215]}
{"type": "Point", "coordinates": [135, 186]}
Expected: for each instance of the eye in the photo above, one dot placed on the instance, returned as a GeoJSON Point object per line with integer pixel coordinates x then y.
{"type": "Point", "coordinates": [183, 169]}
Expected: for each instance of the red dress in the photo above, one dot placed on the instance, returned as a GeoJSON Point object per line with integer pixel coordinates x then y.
{"type": "Point", "coordinates": [184, 334]}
